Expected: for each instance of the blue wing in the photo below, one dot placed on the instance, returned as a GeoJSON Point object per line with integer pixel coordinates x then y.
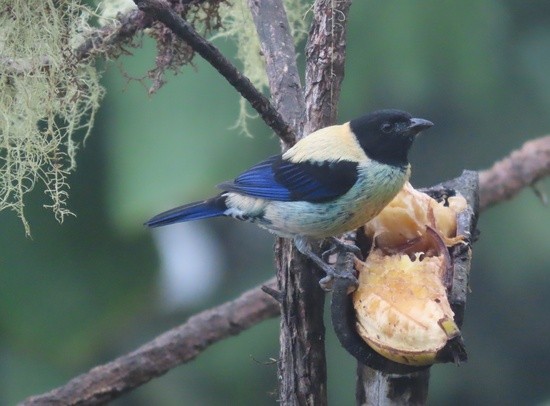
{"type": "Point", "coordinates": [282, 180]}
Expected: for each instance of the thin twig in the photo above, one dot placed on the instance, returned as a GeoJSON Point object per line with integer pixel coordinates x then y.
{"type": "Point", "coordinates": [160, 10]}
{"type": "Point", "coordinates": [110, 37]}
{"type": "Point", "coordinates": [177, 346]}
{"type": "Point", "coordinates": [520, 169]}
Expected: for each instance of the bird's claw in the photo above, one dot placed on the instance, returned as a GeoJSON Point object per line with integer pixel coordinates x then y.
{"type": "Point", "coordinates": [331, 273]}
{"type": "Point", "coordinates": [327, 282]}
{"type": "Point", "coordinates": [327, 253]}
{"type": "Point", "coordinates": [336, 244]}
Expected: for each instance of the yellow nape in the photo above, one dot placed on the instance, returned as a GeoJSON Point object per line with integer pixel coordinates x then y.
{"type": "Point", "coordinates": [332, 143]}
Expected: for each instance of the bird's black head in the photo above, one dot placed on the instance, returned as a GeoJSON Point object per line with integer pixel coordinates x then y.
{"type": "Point", "coordinates": [387, 135]}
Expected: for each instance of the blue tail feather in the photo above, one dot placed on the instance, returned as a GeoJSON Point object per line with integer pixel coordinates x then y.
{"type": "Point", "coordinates": [194, 211]}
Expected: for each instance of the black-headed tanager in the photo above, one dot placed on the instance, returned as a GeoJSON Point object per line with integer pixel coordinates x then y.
{"type": "Point", "coordinates": [332, 181]}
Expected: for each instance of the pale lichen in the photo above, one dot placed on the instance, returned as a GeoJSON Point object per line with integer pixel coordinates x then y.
{"type": "Point", "coordinates": [238, 26]}
{"type": "Point", "coordinates": [110, 9]}
{"type": "Point", "coordinates": [48, 100]}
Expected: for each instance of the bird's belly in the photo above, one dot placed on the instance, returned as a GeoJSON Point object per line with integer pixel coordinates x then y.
{"type": "Point", "coordinates": [373, 191]}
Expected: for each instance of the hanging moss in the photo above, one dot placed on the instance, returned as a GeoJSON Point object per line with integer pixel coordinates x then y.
{"type": "Point", "coordinates": [46, 97]}
{"type": "Point", "coordinates": [238, 26]}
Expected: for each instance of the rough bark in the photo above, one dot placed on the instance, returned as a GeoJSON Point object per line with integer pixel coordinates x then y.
{"type": "Point", "coordinates": [302, 365]}
{"type": "Point", "coordinates": [325, 61]}
{"type": "Point", "coordinates": [523, 167]}
{"type": "Point", "coordinates": [375, 388]}
{"type": "Point", "coordinates": [280, 57]}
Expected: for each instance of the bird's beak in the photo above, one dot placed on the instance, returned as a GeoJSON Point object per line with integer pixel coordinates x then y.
{"type": "Point", "coordinates": [419, 124]}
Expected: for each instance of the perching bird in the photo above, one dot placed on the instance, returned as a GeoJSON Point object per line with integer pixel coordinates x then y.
{"type": "Point", "coordinates": [330, 182]}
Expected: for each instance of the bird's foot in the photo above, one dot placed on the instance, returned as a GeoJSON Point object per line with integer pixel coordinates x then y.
{"type": "Point", "coordinates": [326, 283]}
{"type": "Point", "coordinates": [339, 245]}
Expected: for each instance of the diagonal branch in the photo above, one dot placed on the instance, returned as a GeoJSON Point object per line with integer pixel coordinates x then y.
{"type": "Point", "coordinates": [160, 10]}
{"type": "Point", "coordinates": [507, 177]}
{"type": "Point", "coordinates": [177, 346]}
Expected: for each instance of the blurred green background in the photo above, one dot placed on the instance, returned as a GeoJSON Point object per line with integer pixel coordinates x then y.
{"type": "Point", "coordinates": [82, 293]}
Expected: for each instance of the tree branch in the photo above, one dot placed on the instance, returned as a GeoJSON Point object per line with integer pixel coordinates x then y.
{"type": "Point", "coordinates": [177, 346]}
{"type": "Point", "coordinates": [160, 10]}
{"type": "Point", "coordinates": [280, 56]}
{"type": "Point", "coordinates": [325, 60]}
{"type": "Point", "coordinates": [109, 39]}
{"type": "Point", "coordinates": [104, 40]}
{"type": "Point", "coordinates": [507, 177]}
{"type": "Point", "coordinates": [302, 365]}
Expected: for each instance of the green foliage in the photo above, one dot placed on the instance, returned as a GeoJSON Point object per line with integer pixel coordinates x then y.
{"type": "Point", "coordinates": [45, 98]}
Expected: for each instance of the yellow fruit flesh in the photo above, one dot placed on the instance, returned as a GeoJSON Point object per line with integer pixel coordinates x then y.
{"type": "Point", "coordinates": [401, 303]}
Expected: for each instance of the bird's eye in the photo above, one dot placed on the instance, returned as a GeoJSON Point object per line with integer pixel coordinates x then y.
{"type": "Point", "coordinates": [386, 127]}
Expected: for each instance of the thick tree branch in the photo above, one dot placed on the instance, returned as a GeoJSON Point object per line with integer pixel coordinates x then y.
{"type": "Point", "coordinates": [325, 60]}
{"type": "Point", "coordinates": [177, 346]}
{"type": "Point", "coordinates": [277, 47]}
{"type": "Point", "coordinates": [302, 366]}
{"type": "Point", "coordinates": [509, 176]}
{"type": "Point", "coordinates": [160, 10]}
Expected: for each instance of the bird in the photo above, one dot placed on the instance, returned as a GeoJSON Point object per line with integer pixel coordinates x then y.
{"type": "Point", "coordinates": [330, 182]}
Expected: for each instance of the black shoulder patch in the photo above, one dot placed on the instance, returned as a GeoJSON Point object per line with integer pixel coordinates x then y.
{"type": "Point", "coordinates": [285, 181]}
{"type": "Point", "coordinates": [315, 182]}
